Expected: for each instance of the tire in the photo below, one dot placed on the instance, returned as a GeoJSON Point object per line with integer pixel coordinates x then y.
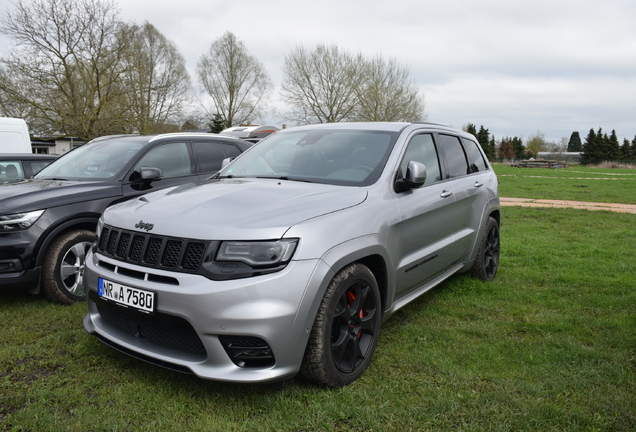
{"type": "Point", "coordinates": [346, 330]}
{"type": "Point", "coordinates": [487, 260]}
{"type": "Point", "coordinates": [63, 267]}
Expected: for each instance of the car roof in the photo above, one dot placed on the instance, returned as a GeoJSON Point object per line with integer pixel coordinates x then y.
{"type": "Point", "coordinates": [194, 135]}
{"type": "Point", "coordinates": [146, 139]}
{"type": "Point", "coordinates": [26, 156]}
{"type": "Point", "coordinates": [376, 126]}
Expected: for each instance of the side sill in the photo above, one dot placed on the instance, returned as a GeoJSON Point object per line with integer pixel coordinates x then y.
{"type": "Point", "coordinates": [403, 301]}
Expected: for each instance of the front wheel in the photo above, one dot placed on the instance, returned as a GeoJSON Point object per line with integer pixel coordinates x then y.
{"type": "Point", "coordinates": [63, 267]}
{"type": "Point", "coordinates": [487, 260]}
{"type": "Point", "coordinates": [346, 329]}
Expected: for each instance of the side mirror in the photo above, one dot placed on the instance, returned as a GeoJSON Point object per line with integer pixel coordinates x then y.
{"type": "Point", "coordinates": [414, 178]}
{"type": "Point", "coordinates": [226, 162]}
{"type": "Point", "coordinates": [149, 174]}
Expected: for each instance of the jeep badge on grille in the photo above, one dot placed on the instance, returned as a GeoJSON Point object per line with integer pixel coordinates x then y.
{"type": "Point", "coordinates": [144, 226]}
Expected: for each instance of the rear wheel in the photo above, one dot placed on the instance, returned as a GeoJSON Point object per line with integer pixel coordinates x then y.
{"type": "Point", "coordinates": [487, 260]}
{"type": "Point", "coordinates": [346, 330]}
{"type": "Point", "coordinates": [63, 267]}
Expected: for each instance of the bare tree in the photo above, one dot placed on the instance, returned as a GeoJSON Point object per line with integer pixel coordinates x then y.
{"type": "Point", "coordinates": [236, 81]}
{"type": "Point", "coordinates": [536, 143]}
{"type": "Point", "coordinates": [156, 81]}
{"type": "Point", "coordinates": [66, 64]}
{"type": "Point", "coordinates": [14, 107]}
{"type": "Point", "coordinates": [320, 85]}
{"type": "Point", "coordinates": [506, 151]}
{"type": "Point", "coordinates": [387, 93]}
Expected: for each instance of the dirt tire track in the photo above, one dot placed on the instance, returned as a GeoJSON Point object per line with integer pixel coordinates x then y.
{"type": "Point", "coordinates": [529, 202]}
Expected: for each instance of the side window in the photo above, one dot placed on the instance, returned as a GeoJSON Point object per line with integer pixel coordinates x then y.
{"type": "Point", "coordinates": [210, 155]}
{"type": "Point", "coordinates": [172, 159]}
{"type": "Point", "coordinates": [475, 159]}
{"type": "Point", "coordinates": [231, 151]}
{"type": "Point", "coordinates": [455, 157]}
{"type": "Point", "coordinates": [11, 172]}
{"type": "Point", "coordinates": [422, 149]}
{"type": "Point", "coordinates": [37, 166]}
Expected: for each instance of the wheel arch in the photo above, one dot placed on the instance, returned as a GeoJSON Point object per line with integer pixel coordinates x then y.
{"type": "Point", "coordinates": [496, 214]}
{"type": "Point", "coordinates": [366, 251]}
{"type": "Point", "coordinates": [86, 222]}
{"type": "Point", "coordinates": [378, 267]}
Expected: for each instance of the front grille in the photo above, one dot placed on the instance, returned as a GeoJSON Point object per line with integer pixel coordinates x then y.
{"type": "Point", "coordinates": [171, 253]}
{"type": "Point", "coordinates": [124, 242]}
{"type": "Point", "coordinates": [137, 248]}
{"type": "Point", "coordinates": [160, 329]}
{"type": "Point", "coordinates": [151, 257]}
{"type": "Point", "coordinates": [176, 254]}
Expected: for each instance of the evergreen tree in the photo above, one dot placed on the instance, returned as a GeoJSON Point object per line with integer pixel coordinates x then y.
{"type": "Point", "coordinates": [574, 145]}
{"type": "Point", "coordinates": [604, 146]}
{"type": "Point", "coordinates": [520, 149]}
{"type": "Point", "coordinates": [218, 124]}
{"type": "Point", "coordinates": [483, 138]}
{"type": "Point", "coordinates": [625, 150]}
{"type": "Point", "coordinates": [612, 146]}
{"type": "Point", "coordinates": [470, 128]}
{"type": "Point", "coordinates": [589, 148]}
{"type": "Point", "coordinates": [633, 152]}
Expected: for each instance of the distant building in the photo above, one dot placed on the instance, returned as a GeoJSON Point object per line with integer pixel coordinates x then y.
{"type": "Point", "coordinates": [55, 145]}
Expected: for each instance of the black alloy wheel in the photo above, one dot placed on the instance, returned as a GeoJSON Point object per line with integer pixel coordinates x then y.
{"type": "Point", "coordinates": [346, 329]}
{"type": "Point", "coordinates": [487, 260]}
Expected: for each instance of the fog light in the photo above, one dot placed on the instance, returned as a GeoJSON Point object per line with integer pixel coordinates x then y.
{"type": "Point", "coordinates": [247, 351]}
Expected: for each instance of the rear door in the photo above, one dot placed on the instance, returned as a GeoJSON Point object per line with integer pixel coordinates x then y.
{"type": "Point", "coordinates": [467, 172]}
{"type": "Point", "coordinates": [427, 218]}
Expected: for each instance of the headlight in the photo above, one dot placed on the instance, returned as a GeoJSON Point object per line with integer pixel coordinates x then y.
{"type": "Point", "coordinates": [258, 253]}
{"type": "Point", "coordinates": [19, 221]}
{"type": "Point", "coordinates": [100, 226]}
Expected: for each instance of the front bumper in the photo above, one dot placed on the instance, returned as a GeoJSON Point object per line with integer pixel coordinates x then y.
{"type": "Point", "coordinates": [278, 308]}
{"type": "Point", "coordinates": [17, 269]}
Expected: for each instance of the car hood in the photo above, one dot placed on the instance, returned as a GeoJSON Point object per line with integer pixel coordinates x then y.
{"type": "Point", "coordinates": [36, 194]}
{"type": "Point", "coordinates": [232, 209]}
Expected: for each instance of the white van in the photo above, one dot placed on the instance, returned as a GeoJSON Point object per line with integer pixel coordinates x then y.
{"type": "Point", "coordinates": [14, 136]}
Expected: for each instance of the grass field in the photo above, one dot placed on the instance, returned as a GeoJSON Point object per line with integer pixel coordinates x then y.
{"type": "Point", "coordinates": [550, 345]}
{"type": "Point", "coordinates": [576, 183]}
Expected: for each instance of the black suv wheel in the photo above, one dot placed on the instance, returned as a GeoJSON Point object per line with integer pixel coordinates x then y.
{"type": "Point", "coordinates": [63, 268]}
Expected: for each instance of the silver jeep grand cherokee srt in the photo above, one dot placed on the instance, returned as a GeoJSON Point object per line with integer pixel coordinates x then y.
{"type": "Point", "coordinates": [289, 260]}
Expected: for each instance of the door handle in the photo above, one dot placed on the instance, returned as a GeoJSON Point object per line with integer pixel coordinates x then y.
{"type": "Point", "coordinates": [446, 194]}
{"type": "Point", "coordinates": [478, 184]}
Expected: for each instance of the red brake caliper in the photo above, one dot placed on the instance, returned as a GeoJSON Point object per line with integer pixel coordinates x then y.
{"type": "Point", "coordinates": [350, 299]}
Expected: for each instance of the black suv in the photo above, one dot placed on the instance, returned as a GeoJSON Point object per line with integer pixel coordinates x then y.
{"type": "Point", "coordinates": [47, 223]}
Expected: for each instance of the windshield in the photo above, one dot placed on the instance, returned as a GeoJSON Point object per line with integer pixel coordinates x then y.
{"type": "Point", "coordinates": [100, 160]}
{"type": "Point", "coordinates": [342, 157]}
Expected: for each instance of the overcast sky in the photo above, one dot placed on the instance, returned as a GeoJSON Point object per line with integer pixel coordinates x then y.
{"type": "Point", "coordinates": [515, 67]}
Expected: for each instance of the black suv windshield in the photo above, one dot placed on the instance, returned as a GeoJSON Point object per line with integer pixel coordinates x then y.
{"type": "Point", "coordinates": [341, 157]}
{"type": "Point", "coordinates": [93, 161]}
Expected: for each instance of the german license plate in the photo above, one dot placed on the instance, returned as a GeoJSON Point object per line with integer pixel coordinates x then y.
{"type": "Point", "coordinates": [133, 297]}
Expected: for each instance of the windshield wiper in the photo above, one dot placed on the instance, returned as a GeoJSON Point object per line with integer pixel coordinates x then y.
{"type": "Point", "coordinates": [286, 178]}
